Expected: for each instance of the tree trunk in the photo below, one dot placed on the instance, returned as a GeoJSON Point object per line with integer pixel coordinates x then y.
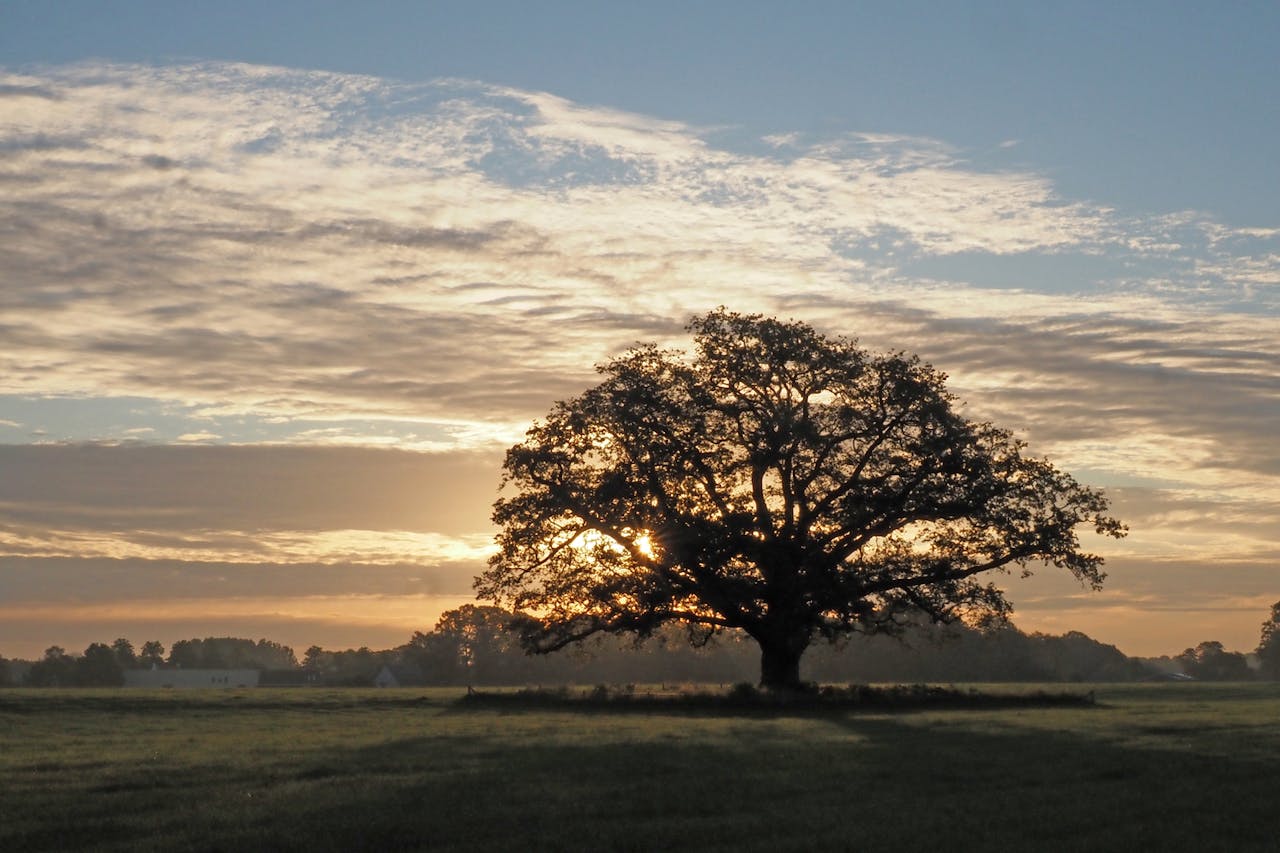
{"type": "Point", "coordinates": [780, 663]}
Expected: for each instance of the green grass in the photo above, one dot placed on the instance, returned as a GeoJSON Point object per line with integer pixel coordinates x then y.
{"type": "Point", "coordinates": [1162, 766]}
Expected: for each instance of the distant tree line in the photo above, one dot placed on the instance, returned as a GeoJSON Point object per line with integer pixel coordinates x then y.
{"type": "Point", "coordinates": [103, 665]}
{"type": "Point", "coordinates": [474, 645]}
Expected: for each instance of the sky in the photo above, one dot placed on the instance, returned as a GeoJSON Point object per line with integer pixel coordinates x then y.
{"type": "Point", "coordinates": [280, 282]}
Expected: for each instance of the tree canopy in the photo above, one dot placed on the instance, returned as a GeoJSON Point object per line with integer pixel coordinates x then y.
{"type": "Point", "coordinates": [1210, 661]}
{"type": "Point", "coordinates": [1269, 644]}
{"type": "Point", "coordinates": [779, 481]}
{"type": "Point", "coordinates": [230, 653]}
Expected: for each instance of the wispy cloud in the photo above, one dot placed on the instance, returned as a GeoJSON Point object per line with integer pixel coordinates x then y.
{"type": "Point", "coordinates": [243, 234]}
{"type": "Point", "coordinates": [198, 437]}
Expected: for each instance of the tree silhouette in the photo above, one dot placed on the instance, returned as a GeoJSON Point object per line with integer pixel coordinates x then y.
{"type": "Point", "coordinates": [1269, 645]}
{"type": "Point", "coordinates": [55, 669]}
{"type": "Point", "coordinates": [231, 653]}
{"type": "Point", "coordinates": [778, 481]}
{"type": "Point", "coordinates": [1211, 661]}
{"type": "Point", "coordinates": [99, 667]}
{"type": "Point", "coordinates": [125, 655]}
{"type": "Point", "coordinates": [477, 642]}
{"type": "Point", "coordinates": [152, 654]}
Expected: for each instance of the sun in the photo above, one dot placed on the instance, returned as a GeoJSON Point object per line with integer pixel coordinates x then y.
{"type": "Point", "coordinates": [646, 546]}
{"type": "Point", "coordinates": [637, 542]}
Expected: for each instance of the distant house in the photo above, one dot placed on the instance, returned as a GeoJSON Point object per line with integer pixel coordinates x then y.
{"type": "Point", "coordinates": [398, 676]}
{"type": "Point", "coordinates": [191, 677]}
{"type": "Point", "coordinates": [1170, 676]}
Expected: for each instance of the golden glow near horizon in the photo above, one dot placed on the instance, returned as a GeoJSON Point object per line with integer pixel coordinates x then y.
{"type": "Point", "coordinates": [306, 312]}
{"type": "Point", "coordinates": [298, 621]}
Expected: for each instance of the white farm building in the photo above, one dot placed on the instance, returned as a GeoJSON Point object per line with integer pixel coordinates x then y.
{"type": "Point", "coordinates": [191, 677]}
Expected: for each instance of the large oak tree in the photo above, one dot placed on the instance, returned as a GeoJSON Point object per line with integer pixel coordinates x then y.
{"type": "Point", "coordinates": [778, 481]}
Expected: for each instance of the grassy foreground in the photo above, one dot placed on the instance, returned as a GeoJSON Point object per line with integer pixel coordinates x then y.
{"type": "Point", "coordinates": [1150, 767]}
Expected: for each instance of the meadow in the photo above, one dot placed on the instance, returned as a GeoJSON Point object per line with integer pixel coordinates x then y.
{"type": "Point", "coordinates": [1149, 767]}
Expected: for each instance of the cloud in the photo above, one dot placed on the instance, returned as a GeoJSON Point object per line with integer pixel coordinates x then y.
{"type": "Point", "coordinates": [139, 583]}
{"type": "Point", "coordinates": [231, 219]}
{"type": "Point", "coordinates": [274, 548]}
{"type": "Point", "coordinates": [107, 490]}
{"type": "Point", "coordinates": [18, 89]}
{"type": "Point", "coordinates": [305, 245]}
{"type": "Point", "coordinates": [337, 262]}
{"type": "Point", "coordinates": [197, 437]}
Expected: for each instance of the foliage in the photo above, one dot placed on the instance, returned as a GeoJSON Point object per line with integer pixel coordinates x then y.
{"type": "Point", "coordinates": [472, 644]}
{"type": "Point", "coordinates": [55, 669]}
{"type": "Point", "coordinates": [919, 653]}
{"type": "Point", "coordinates": [98, 667]}
{"type": "Point", "coordinates": [778, 482]}
{"type": "Point", "coordinates": [350, 667]}
{"type": "Point", "coordinates": [1210, 661]}
{"type": "Point", "coordinates": [231, 653]}
{"type": "Point", "coordinates": [478, 645]}
{"type": "Point", "coordinates": [126, 657]}
{"type": "Point", "coordinates": [1269, 645]}
{"type": "Point", "coordinates": [950, 653]}
{"type": "Point", "coordinates": [152, 654]}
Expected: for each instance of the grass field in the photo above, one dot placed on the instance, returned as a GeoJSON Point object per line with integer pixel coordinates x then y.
{"type": "Point", "coordinates": [1150, 767]}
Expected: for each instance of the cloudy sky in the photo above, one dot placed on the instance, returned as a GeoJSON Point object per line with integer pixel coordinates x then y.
{"type": "Point", "coordinates": [279, 282]}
